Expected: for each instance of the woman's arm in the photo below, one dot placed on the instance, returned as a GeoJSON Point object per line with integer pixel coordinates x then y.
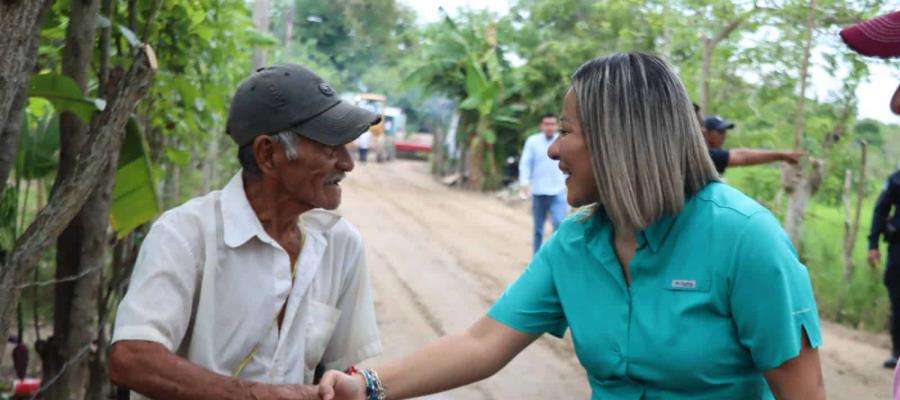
{"type": "Point", "coordinates": [800, 377]}
{"type": "Point", "coordinates": [444, 364]}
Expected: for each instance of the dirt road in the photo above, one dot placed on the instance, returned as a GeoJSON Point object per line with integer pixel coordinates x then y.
{"type": "Point", "coordinates": [439, 257]}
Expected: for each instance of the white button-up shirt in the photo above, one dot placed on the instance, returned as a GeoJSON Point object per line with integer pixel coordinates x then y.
{"type": "Point", "coordinates": [209, 282]}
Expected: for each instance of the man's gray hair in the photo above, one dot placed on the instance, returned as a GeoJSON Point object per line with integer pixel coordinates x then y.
{"type": "Point", "coordinates": [642, 135]}
{"type": "Point", "coordinates": [288, 140]}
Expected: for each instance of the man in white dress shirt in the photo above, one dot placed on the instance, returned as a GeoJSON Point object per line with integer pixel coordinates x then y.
{"type": "Point", "coordinates": [246, 292]}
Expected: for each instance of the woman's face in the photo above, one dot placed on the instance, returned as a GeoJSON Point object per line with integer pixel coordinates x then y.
{"type": "Point", "coordinates": [571, 150]}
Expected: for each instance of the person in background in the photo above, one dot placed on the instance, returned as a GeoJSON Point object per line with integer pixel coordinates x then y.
{"type": "Point", "coordinates": [880, 37]}
{"type": "Point", "coordinates": [363, 142]}
{"type": "Point", "coordinates": [540, 177]}
{"type": "Point", "coordinates": [715, 130]}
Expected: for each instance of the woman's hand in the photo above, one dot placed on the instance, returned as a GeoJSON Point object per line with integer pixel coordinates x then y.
{"type": "Point", "coordinates": [337, 385]}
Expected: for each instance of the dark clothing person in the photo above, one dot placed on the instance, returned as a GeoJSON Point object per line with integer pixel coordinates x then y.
{"type": "Point", "coordinates": [883, 223]}
{"type": "Point", "coordinates": [720, 159]}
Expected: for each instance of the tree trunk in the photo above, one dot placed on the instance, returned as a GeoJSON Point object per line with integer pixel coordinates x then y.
{"type": "Point", "coordinates": [171, 192]}
{"type": "Point", "coordinates": [70, 193]}
{"type": "Point", "coordinates": [853, 225]}
{"type": "Point", "coordinates": [289, 27]}
{"type": "Point", "coordinates": [73, 319]}
{"type": "Point", "coordinates": [803, 187]}
{"type": "Point", "coordinates": [20, 31]}
{"type": "Point", "coordinates": [705, 74]}
{"type": "Point", "coordinates": [709, 45]}
{"type": "Point", "coordinates": [792, 175]}
{"type": "Point", "coordinates": [437, 152]}
{"type": "Point", "coordinates": [848, 244]}
{"type": "Point", "coordinates": [261, 11]}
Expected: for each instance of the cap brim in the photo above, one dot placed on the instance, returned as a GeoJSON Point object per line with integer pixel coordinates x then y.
{"type": "Point", "coordinates": [877, 37]}
{"type": "Point", "coordinates": [338, 125]}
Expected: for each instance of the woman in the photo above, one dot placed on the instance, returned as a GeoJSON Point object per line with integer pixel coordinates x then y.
{"type": "Point", "coordinates": [675, 286]}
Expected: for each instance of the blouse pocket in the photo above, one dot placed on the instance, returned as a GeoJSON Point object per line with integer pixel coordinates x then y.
{"type": "Point", "coordinates": [319, 325]}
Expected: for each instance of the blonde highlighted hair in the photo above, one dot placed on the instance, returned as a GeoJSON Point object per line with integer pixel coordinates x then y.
{"type": "Point", "coordinates": [646, 149]}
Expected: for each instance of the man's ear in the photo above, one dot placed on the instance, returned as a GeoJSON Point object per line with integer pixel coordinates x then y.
{"type": "Point", "coordinates": [265, 151]}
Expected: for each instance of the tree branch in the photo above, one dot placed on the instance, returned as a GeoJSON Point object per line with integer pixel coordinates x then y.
{"type": "Point", "coordinates": [107, 130]}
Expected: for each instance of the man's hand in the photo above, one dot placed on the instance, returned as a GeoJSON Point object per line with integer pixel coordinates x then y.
{"type": "Point", "coordinates": [874, 258]}
{"type": "Point", "coordinates": [337, 385]}
{"type": "Point", "coordinates": [526, 190]}
{"type": "Point", "coordinates": [285, 392]}
{"type": "Point", "coordinates": [793, 157]}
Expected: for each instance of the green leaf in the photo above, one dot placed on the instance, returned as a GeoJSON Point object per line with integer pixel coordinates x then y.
{"type": "Point", "coordinates": [470, 103]}
{"type": "Point", "coordinates": [178, 157]}
{"type": "Point", "coordinates": [129, 35]}
{"type": "Point", "coordinates": [65, 95]}
{"type": "Point", "coordinates": [38, 154]}
{"type": "Point", "coordinates": [103, 22]}
{"type": "Point", "coordinates": [135, 200]}
{"type": "Point", "coordinates": [490, 137]}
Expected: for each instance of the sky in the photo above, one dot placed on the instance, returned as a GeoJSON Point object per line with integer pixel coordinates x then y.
{"type": "Point", "coordinates": [874, 94]}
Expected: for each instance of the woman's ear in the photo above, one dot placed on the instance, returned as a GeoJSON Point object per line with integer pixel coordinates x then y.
{"type": "Point", "coordinates": [265, 151]}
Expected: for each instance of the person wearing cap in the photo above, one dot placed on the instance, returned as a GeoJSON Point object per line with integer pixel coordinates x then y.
{"type": "Point", "coordinates": [246, 292]}
{"type": "Point", "coordinates": [877, 37]}
{"type": "Point", "coordinates": [715, 129]}
{"type": "Point", "coordinates": [880, 37]}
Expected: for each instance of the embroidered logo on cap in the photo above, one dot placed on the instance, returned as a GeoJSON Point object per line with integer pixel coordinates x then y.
{"type": "Point", "coordinates": [325, 89]}
{"type": "Point", "coordinates": [684, 284]}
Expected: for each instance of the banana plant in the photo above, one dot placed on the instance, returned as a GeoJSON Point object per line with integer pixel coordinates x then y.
{"type": "Point", "coordinates": [135, 199]}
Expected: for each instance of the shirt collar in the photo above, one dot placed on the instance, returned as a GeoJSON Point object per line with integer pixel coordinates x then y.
{"type": "Point", "coordinates": [654, 235]}
{"type": "Point", "coordinates": [240, 222]}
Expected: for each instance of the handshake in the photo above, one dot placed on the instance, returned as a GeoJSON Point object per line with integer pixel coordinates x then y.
{"type": "Point", "coordinates": [334, 385]}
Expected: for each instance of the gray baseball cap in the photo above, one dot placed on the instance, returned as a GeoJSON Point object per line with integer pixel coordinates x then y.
{"type": "Point", "coordinates": [291, 97]}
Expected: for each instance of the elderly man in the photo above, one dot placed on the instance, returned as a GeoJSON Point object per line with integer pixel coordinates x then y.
{"type": "Point", "coordinates": [245, 292]}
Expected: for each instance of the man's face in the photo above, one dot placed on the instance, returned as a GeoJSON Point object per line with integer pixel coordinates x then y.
{"type": "Point", "coordinates": [715, 138]}
{"type": "Point", "coordinates": [549, 125]}
{"type": "Point", "coordinates": [313, 179]}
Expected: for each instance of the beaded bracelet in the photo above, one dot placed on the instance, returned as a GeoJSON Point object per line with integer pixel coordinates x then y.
{"type": "Point", "coordinates": [374, 389]}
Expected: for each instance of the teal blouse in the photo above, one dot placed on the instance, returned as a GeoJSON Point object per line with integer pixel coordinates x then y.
{"type": "Point", "coordinates": [717, 297]}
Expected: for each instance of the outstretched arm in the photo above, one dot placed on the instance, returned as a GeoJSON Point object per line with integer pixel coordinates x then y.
{"type": "Point", "coordinates": [740, 157]}
{"type": "Point", "coordinates": [444, 364]}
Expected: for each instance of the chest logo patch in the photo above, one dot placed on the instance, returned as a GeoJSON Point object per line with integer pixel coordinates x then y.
{"type": "Point", "coordinates": [684, 284]}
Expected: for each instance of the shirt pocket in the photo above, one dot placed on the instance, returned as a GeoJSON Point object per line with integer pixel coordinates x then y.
{"type": "Point", "coordinates": [320, 323]}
